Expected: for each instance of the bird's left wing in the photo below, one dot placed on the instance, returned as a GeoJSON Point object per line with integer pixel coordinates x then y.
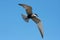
{"type": "Point", "coordinates": [38, 22]}
{"type": "Point", "coordinates": [28, 8]}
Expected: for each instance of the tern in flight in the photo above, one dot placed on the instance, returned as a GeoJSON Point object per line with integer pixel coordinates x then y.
{"type": "Point", "coordinates": [32, 16]}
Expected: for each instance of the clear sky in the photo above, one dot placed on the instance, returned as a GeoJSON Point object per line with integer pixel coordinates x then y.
{"type": "Point", "coordinates": [13, 27]}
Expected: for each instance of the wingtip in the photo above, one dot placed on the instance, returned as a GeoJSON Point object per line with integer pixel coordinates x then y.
{"type": "Point", "coordinates": [40, 29]}
{"type": "Point", "coordinates": [20, 4]}
{"type": "Point", "coordinates": [42, 37]}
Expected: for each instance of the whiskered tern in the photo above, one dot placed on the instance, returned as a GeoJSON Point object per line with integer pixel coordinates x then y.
{"type": "Point", "coordinates": [32, 16]}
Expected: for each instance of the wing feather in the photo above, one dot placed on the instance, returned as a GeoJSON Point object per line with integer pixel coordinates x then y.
{"type": "Point", "coordinates": [28, 8]}
{"type": "Point", "coordinates": [39, 24]}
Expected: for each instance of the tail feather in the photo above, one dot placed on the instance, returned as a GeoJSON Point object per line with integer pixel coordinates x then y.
{"type": "Point", "coordinates": [25, 18]}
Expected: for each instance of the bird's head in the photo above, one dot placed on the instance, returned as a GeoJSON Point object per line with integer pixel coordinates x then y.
{"type": "Point", "coordinates": [36, 14]}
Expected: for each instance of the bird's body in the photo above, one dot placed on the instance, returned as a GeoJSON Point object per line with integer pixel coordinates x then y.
{"type": "Point", "coordinates": [29, 16]}
{"type": "Point", "coordinates": [32, 16]}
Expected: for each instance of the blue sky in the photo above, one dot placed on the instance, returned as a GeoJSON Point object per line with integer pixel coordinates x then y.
{"type": "Point", "coordinates": [13, 27]}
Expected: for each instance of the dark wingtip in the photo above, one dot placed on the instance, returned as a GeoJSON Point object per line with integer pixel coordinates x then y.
{"type": "Point", "coordinates": [20, 4]}
{"type": "Point", "coordinates": [42, 36]}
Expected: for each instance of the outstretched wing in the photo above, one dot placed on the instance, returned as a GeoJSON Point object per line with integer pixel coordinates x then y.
{"type": "Point", "coordinates": [38, 22]}
{"type": "Point", "coordinates": [28, 8]}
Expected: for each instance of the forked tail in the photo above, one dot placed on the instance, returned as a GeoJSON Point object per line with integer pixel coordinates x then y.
{"type": "Point", "coordinates": [25, 17]}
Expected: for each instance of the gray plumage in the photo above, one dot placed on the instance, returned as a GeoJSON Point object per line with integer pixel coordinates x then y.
{"type": "Point", "coordinates": [32, 16]}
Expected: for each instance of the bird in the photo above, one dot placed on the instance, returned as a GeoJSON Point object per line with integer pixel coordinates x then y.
{"type": "Point", "coordinates": [32, 16]}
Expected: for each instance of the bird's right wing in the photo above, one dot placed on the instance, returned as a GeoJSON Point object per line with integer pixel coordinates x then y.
{"type": "Point", "coordinates": [39, 24]}
{"type": "Point", "coordinates": [28, 8]}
